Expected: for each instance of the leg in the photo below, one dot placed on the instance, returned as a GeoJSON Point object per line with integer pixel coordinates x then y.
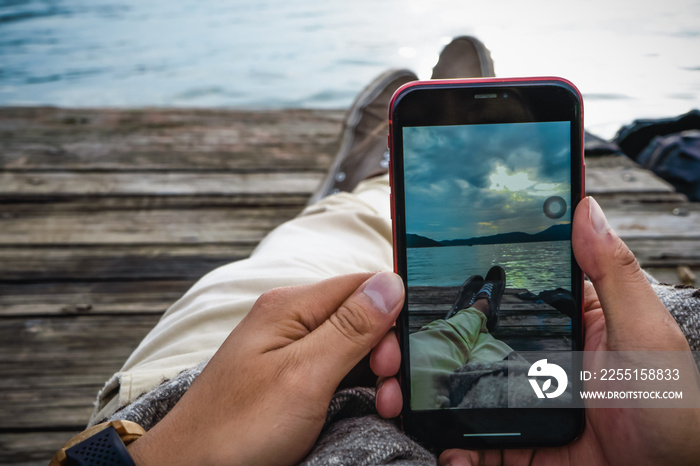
{"type": "Point", "coordinates": [340, 234]}
{"type": "Point", "coordinates": [442, 347]}
{"type": "Point", "coordinates": [445, 345]}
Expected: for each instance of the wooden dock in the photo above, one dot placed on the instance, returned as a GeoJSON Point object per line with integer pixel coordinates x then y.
{"type": "Point", "coordinates": [108, 216]}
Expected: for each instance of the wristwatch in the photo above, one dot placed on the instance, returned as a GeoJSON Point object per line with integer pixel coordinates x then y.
{"type": "Point", "coordinates": [103, 444]}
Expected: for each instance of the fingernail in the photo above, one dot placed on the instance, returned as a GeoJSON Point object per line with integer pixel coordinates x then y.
{"type": "Point", "coordinates": [598, 220]}
{"type": "Point", "coordinates": [385, 290]}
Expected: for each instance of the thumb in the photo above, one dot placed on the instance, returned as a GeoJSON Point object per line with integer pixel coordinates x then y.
{"type": "Point", "coordinates": [628, 301]}
{"type": "Point", "coordinates": [357, 326]}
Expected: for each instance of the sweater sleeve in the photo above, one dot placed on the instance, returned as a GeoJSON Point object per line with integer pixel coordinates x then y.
{"type": "Point", "coordinates": [353, 433]}
{"type": "Point", "coordinates": [683, 302]}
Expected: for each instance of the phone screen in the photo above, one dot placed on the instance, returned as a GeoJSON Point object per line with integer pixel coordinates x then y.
{"type": "Point", "coordinates": [479, 196]}
{"type": "Point", "coordinates": [485, 194]}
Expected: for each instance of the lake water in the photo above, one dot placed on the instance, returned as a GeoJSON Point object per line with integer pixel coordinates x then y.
{"type": "Point", "coordinates": [630, 58]}
{"type": "Point", "coordinates": [534, 266]}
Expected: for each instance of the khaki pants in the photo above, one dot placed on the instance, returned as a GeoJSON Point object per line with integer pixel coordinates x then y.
{"type": "Point", "coordinates": [443, 346]}
{"type": "Point", "coordinates": [341, 234]}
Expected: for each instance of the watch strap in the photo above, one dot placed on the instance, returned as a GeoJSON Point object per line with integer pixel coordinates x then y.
{"type": "Point", "coordinates": [126, 431]}
{"type": "Point", "coordinates": [103, 448]}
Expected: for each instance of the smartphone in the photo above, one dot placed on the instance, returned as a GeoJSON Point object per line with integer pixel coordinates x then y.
{"type": "Point", "coordinates": [485, 177]}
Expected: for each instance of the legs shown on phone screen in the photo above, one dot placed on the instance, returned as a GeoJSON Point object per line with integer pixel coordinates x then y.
{"type": "Point", "coordinates": [445, 345]}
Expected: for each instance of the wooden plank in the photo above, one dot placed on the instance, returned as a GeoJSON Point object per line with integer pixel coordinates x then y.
{"type": "Point", "coordinates": [90, 298]}
{"type": "Point", "coordinates": [447, 294]}
{"type": "Point", "coordinates": [53, 367]}
{"type": "Point", "coordinates": [516, 319]}
{"type": "Point", "coordinates": [167, 139]}
{"type": "Point", "coordinates": [638, 200]}
{"type": "Point", "coordinates": [82, 307]}
{"type": "Point", "coordinates": [158, 226]}
{"type": "Point", "coordinates": [664, 222]}
{"type": "Point", "coordinates": [88, 203]}
{"type": "Point", "coordinates": [117, 262]}
{"type": "Point", "coordinates": [618, 180]}
{"type": "Point", "coordinates": [665, 252]}
{"type": "Point", "coordinates": [624, 180]}
{"type": "Point", "coordinates": [610, 161]}
{"type": "Point", "coordinates": [37, 406]}
{"type": "Point", "coordinates": [32, 448]}
{"type": "Point", "coordinates": [536, 331]}
{"type": "Point", "coordinates": [57, 185]}
{"type": "Point", "coordinates": [537, 343]}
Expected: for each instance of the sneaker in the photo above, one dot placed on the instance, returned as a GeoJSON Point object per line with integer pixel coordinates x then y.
{"type": "Point", "coordinates": [464, 57]}
{"type": "Point", "coordinates": [492, 290]}
{"type": "Point", "coordinates": [363, 150]}
{"type": "Point", "coordinates": [466, 294]}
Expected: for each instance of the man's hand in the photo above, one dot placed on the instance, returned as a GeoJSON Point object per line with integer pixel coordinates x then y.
{"type": "Point", "coordinates": [622, 313]}
{"type": "Point", "coordinates": [263, 397]}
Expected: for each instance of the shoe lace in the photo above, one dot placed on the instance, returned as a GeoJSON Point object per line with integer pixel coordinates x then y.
{"type": "Point", "coordinates": [485, 292]}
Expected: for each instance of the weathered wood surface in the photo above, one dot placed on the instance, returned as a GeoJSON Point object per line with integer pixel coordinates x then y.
{"type": "Point", "coordinates": [56, 364]}
{"type": "Point", "coordinates": [39, 298]}
{"type": "Point", "coordinates": [108, 216]}
{"type": "Point", "coordinates": [189, 140]}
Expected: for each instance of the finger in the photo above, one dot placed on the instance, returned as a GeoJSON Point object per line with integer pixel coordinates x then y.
{"type": "Point", "coordinates": [621, 286]}
{"type": "Point", "coordinates": [457, 457]}
{"type": "Point", "coordinates": [590, 297]}
{"type": "Point", "coordinates": [389, 399]}
{"type": "Point", "coordinates": [310, 304]}
{"type": "Point", "coordinates": [491, 457]}
{"type": "Point", "coordinates": [385, 359]}
{"type": "Point", "coordinates": [355, 328]}
{"type": "Point", "coordinates": [286, 315]}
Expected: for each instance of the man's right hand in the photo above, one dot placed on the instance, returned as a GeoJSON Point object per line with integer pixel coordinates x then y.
{"type": "Point", "coordinates": [622, 313]}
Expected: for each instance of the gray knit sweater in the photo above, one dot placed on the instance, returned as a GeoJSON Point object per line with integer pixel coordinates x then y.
{"type": "Point", "coordinates": [353, 433]}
